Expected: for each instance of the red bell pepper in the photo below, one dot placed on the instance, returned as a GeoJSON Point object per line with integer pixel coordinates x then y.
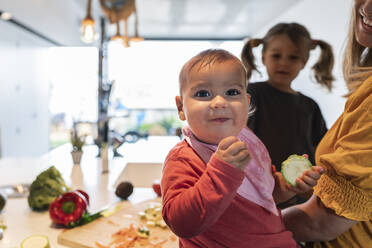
{"type": "Point", "coordinates": [84, 194]}
{"type": "Point", "coordinates": [69, 207]}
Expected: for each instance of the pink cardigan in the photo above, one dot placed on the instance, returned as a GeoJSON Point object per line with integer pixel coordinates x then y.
{"type": "Point", "coordinates": [201, 206]}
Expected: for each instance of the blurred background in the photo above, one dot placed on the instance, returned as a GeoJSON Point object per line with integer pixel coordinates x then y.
{"type": "Point", "coordinates": [110, 67]}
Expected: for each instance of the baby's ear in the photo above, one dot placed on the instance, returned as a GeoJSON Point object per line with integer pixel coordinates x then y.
{"type": "Point", "coordinates": [179, 105]}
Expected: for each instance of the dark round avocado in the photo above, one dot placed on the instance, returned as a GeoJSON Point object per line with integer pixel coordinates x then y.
{"type": "Point", "coordinates": [2, 201]}
{"type": "Point", "coordinates": [124, 190]}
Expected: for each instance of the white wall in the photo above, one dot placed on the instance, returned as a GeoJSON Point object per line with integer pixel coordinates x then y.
{"type": "Point", "coordinates": [326, 20]}
{"type": "Point", "coordinates": [59, 20]}
{"type": "Point", "coordinates": [24, 93]}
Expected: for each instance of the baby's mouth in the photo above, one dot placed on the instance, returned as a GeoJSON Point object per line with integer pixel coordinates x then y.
{"type": "Point", "coordinates": [282, 72]}
{"type": "Point", "coordinates": [220, 119]}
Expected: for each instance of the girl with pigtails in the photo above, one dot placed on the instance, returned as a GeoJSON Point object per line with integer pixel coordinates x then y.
{"type": "Point", "coordinates": [285, 120]}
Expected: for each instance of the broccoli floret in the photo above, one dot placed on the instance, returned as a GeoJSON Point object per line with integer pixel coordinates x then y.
{"type": "Point", "coordinates": [45, 188]}
{"type": "Point", "coordinates": [51, 173]}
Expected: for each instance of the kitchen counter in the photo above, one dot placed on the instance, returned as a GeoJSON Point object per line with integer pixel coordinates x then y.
{"type": "Point", "coordinates": [22, 222]}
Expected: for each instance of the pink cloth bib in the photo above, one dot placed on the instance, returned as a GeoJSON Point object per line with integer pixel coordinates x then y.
{"type": "Point", "coordinates": [258, 183]}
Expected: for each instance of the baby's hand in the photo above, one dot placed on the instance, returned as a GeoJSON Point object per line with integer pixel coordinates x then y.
{"type": "Point", "coordinates": [233, 151]}
{"type": "Point", "coordinates": [307, 180]}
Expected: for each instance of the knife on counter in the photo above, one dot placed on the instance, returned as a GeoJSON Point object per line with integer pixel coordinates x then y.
{"type": "Point", "coordinates": [87, 217]}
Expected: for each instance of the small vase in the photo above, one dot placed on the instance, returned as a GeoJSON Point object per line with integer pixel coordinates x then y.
{"type": "Point", "coordinates": [76, 156]}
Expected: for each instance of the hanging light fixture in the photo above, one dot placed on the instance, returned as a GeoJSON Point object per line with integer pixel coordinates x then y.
{"type": "Point", "coordinates": [136, 37]}
{"type": "Point", "coordinates": [126, 38]}
{"type": "Point", "coordinates": [117, 10]}
{"type": "Point", "coordinates": [87, 26]}
{"type": "Point", "coordinates": [117, 37]}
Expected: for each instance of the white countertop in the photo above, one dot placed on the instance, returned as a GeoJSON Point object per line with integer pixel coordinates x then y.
{"type": "Point", "coordinates": [22, 222]}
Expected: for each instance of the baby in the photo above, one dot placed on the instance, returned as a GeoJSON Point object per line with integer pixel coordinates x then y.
{"type": "Point", "coordinates": [218, 184]}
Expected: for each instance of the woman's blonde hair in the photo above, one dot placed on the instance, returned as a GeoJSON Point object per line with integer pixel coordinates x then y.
{"type": "Point", "coordinates": [357, 64]}
{"type": "Point", "coordinates": [300, 36]}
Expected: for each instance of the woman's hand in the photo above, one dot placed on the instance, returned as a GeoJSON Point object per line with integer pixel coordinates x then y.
{"type": "Point", "coordinates": [283, 191]}
{"type": "Point", "coordinates": [233, 151]}
{"type": "Point", "coordinates": [307, 180]}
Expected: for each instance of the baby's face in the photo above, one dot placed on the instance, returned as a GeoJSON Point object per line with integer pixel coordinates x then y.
{"type": "Point", "coordinates": [214, 101]}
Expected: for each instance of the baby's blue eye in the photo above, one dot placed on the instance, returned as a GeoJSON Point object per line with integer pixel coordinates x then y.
{"type": "Point", "coordinates": [276, 56]}
{"type": "Point", "coordinates": [202, 93]}
{"type": "Point", "coordinates": [233, 92]}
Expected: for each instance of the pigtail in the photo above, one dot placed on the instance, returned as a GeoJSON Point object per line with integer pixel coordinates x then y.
{"type": "Point", "coordinates": [248, 57]}
{"type": "Point", "coordinates": [323, 67]}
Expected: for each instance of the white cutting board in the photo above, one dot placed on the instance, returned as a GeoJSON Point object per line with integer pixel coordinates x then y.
{"type": "Point", "coordinates": [102, 229]}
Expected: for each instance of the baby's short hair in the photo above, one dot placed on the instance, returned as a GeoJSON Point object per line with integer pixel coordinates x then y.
{"type": "Point", "coordinates": [205, 58]}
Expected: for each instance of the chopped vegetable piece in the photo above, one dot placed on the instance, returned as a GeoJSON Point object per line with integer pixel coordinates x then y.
{"type": "Point", "coordinates": [152, 216]}
{"type": "Point", "coordinates": [33, 241]}
{"type": "Point", "coordinates": [294, 167]}
{"type": "Point", "coordinates": [132, 236]}
{"type": "Point", "coordinates": [143, 232]}
{"type": "Point", "coordinates": [162, 224]}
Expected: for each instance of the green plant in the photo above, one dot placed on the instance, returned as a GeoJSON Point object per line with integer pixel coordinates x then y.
{"type": "Point", "coordinates": [170, 123]}
{"type": "Point", "coordinates": [144, 127]}
{"type": "Point", "coordinates": [77, 142]}
{"type": "Point", "coordinates": [167, 123]}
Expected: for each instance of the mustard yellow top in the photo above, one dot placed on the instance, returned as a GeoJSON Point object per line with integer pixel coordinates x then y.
{"type": "Point", "coordinates": [346, 152]}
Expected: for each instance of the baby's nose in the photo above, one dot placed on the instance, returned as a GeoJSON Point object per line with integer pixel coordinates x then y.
{"type": "Point", "coordinates": [218, 102]}
{"type": "Point", "coordinates": [284, 62]}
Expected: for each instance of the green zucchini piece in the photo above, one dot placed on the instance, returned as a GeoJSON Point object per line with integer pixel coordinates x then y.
{"type": "Point", "coordinates": [294, 167]}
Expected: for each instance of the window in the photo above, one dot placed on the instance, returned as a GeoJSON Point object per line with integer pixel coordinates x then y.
{"type": "Point", "coordinates": [145, 78]}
